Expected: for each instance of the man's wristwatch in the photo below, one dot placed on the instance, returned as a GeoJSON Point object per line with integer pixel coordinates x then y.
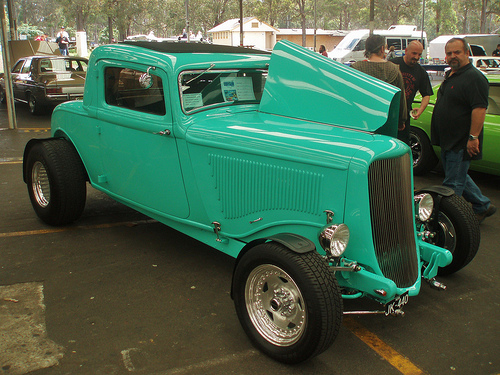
{"type": "Point", "coordinates": [472, 137]}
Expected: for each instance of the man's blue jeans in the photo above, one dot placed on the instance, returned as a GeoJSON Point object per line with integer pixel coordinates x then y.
{"type": "Point", "coordinates": [457, 178]}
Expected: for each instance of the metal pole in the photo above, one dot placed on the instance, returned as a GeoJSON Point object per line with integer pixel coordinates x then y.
{"type": "Point", "coordinates": [372, 16]}
{"type": "Point", "coordinates": [241, 23]}
{"type": "Point", "coordinates": [12, 20]}
{"type": "Point", "coordinates": [314, 25]}
{"type": "Point", "coordinates": [9, 95]}
{"type": "Point", "coordinates": [187, 21]}
{"type": "Point", "coordinates": [423, 23]}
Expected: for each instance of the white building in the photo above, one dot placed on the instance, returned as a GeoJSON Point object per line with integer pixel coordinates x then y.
{"type": "Point", "coordinates": [256, 34]}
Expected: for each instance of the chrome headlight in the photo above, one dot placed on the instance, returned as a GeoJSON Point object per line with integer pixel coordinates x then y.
{"type": "Point", "coordinates": [334, 239]}
{"type": "Point", "coordinates": [424, 204]}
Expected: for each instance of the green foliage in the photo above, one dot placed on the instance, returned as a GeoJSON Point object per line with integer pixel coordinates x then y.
{"type": "Point", "coordinates": [168, 17]}
{"type": "Point", "coordinates": [31, 32]}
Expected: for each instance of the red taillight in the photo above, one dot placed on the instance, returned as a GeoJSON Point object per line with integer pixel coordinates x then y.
{"type": "Point", "coordinates": [54, 90]}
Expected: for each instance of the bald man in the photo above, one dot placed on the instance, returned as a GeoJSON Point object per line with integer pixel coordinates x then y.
{"type": "Point", "coordinates": [416, 79]}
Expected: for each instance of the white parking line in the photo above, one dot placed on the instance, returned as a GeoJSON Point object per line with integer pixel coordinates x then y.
{"type": "Point", "coordinates": [210, 363]}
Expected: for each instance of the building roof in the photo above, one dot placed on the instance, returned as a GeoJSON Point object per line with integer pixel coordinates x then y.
{"type": "Point", "coordinates": [234, 25]}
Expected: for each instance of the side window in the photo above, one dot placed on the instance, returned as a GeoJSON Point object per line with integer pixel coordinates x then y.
{"type": "Point", "coordinates": [396, 42]}
{"type": "Point", "coordinates": [360, 46]}
{"type": "Point", "coordinates": [127, 88]}
{"type": "Point", "coordinates": [26, 66]}
{"type": "Point", "coordinates": [45, 65]}
{"type": "Point", "coordinates": [18, 66]}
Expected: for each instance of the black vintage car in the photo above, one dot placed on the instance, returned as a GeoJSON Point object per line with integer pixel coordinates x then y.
{"type": "Point", "coordinates": [45, 81]}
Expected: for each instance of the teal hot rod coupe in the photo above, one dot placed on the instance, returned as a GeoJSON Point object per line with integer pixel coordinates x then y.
{"type": "Point", "coordinates": [286, 161]}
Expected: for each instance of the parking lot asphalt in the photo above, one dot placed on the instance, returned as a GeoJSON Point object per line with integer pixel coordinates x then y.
{"type": "Point", "coordinates": [117, 293]}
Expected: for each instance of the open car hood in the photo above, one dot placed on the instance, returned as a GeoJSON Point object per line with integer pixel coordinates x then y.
{"type": "Point", "coordinates": [306, 85]}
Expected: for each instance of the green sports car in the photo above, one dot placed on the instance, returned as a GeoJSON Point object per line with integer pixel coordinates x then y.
{"type": "Point", "coordinates": [426, 156]}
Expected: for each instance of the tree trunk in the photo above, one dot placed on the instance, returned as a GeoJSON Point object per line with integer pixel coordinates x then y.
{"type": "Point", "coordinates": [110, 29]}
{"type": "Point", "coordinates": [80, 23]}
{"type": "Point", "coordinates": [484, 7]}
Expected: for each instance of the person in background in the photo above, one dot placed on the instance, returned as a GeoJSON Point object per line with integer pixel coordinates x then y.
{"type": "Point", "coordinates": [392, 53]}
{"type": "Point", "coordinates": [457, 124]}
{"type": "Point", "coordinates": [416, 79]}
{"type": "Point", "coordinates": [322, 50]}
{"type": "Point", "coordinates": [496, 52]}
{"type": "Point", "coordinates": [378, 67]}
{"type": "Point", "coordinates": [62, 39]}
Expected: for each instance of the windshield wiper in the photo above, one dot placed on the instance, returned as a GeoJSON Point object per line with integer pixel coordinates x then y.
{"type": "Point", "coordinates": [206, 70]}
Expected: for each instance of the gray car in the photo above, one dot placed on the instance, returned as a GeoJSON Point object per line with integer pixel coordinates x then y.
{"type": "Point", "coordinates": [45, 81]}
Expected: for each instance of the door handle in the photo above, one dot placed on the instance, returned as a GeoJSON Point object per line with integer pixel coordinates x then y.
{"type": "Point", "coordinates": [163, 132]}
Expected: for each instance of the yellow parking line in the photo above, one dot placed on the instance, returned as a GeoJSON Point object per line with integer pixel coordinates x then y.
{"type": "Point", "coordinates": [11, 161]}
{"type": "Point", "coordinates": [67, 229]}
{"type": "Point", "coordinates": [33, 130]}
{"type": "Point", "coordinates": [397, 360]}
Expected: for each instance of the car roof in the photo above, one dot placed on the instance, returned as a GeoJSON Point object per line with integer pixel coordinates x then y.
{"type": "Point", "coordinates": [53, 57]}
{"type": "Point", "coordinates": [184, 47]}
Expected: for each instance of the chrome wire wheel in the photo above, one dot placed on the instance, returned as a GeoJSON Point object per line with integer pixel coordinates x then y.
{"type": "Point", "coordinates": [416, 148]}
{"type": "Point", "coordinates": [275, 305]}
{"type": "Point", "coordinates": [40, 184]}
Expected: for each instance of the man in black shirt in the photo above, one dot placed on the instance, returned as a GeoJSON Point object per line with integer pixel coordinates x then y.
{"type": "Point", "coordinates": [496, 52]}
{"type": "Point", "coordinates": [416, 79]}
{"type": "Point", "coordinates": [457, 124]}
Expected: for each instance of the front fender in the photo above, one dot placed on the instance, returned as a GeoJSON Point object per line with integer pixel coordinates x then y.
{"type": "Point", "coordinates": [27, 149]}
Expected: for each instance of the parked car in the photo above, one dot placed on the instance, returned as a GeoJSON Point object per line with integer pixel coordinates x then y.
{"type": "Point", "coordinates": [486, 64]}
{"type": "Point", "coordinates": [45, 81]}
{"type": "Point", "coordinates": [426, 156]}
{"type": "Point", "coordinates": [287, 162]}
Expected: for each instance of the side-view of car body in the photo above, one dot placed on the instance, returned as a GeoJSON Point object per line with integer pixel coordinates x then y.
{"type": "Point", "coordinates": [287, 162]}
{"type": "Point", "coordinates": [426, 156]}
{"type": "Point", "coordinates": [486, 64]}
{"type": "Point", "coordinates": [45, 81]}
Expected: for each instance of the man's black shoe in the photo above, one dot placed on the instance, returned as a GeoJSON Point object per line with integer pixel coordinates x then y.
{"type": "Point", "coordinates": [483, 215]}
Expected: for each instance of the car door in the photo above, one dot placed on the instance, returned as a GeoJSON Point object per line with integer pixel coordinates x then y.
{"type": "Point", "coordinates": [140, 162]}
{"type": "Point", "coordinates": [491, 153]}
{"type": "Point", "coordinates": [17, 82]}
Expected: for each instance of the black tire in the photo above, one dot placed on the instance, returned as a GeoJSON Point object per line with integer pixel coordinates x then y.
{"type": "Point", "coordinates": [289, 304]}
{"type": "Point", "coordinates": [457, 230]}
{"type": "Point", "coordinates": [34, 105]}
{"type": "Point", "coordinates": [3, 98]}
{"type": "Point", "coordinates": [424, 158]}
{"type": "Point", "coordinates": [56, 181]}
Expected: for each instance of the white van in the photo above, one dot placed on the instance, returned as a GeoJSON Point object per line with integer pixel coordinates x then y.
{"type": "Point", "coordinates": [352, 47]}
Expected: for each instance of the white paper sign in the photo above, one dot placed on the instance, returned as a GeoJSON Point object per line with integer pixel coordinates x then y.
{"type": "Point", "coordinates": [237, 88]}
{"type": "Point", "coordinates": [192, 100]}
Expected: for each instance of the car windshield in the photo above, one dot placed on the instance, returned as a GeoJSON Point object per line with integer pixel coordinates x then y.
{"type": "Point", "coordinates": [63, 65]}
{"type": "Point", "coordinates": [347, 43]}
{"type": "Point", "coordinates": [200, 89]}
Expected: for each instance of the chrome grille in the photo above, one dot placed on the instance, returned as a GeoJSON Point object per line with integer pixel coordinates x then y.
{"type": "Point", "coordinates": [391, 200]}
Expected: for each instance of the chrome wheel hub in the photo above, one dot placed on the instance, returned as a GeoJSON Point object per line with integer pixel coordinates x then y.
{"type": "Point", "coordinates": [275, 305]}
{"type": "Point", "coordinates": [40, 184]}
